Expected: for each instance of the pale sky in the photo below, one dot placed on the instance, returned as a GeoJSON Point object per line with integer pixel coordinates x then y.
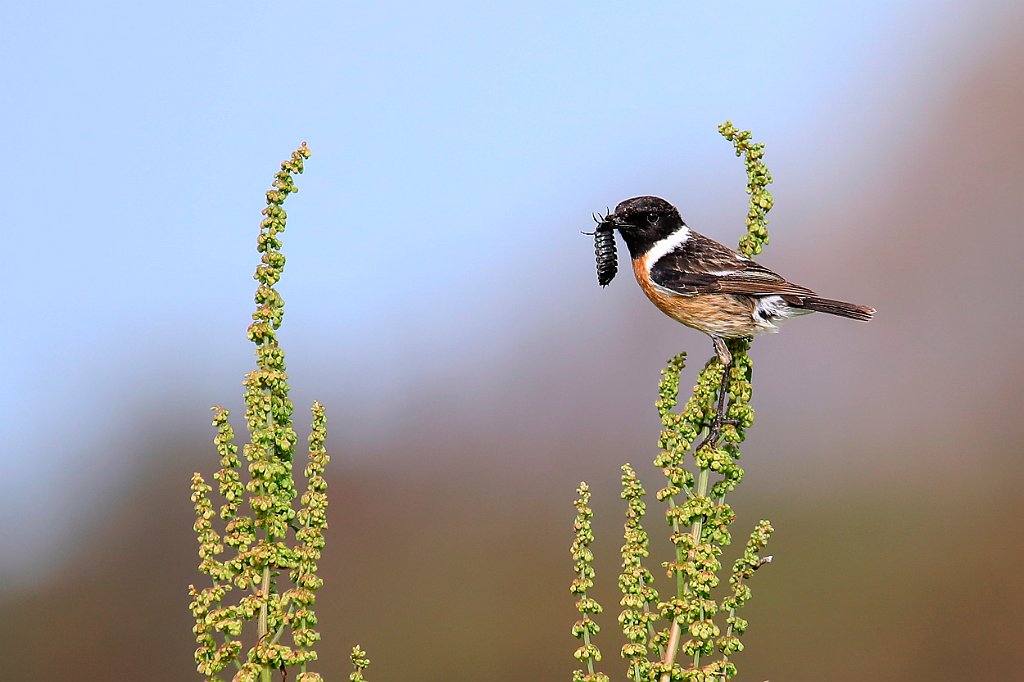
{"type": "Point", "coordinates": [457, 152]}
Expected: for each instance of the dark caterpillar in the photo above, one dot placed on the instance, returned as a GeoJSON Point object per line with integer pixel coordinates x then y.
{"type": "Point", "coordinates": [604, 249]}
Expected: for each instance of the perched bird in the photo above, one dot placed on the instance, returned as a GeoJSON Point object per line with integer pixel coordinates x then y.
{"type": "Point", "coordinates": [701, 283]}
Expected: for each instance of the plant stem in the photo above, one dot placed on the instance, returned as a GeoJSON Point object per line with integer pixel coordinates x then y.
{"type": "Point", "coordinates": [586, 635]}
{"type": "Point", "coordinates": [680, 582]}
{"type": "Point", "coordinates": [590, 659]}
{"type": "Point", "coordinates": [650, 630]}
{"type": "Point", "coordinates": [264, 593]}
{"type": "Point", "coordinates": [698, 528]}
{"type": "Point", "coordinates": [262, 627]}
{"type": "Point", "coordinates": [728, 629]}
{"type": "Point", "coordinates": [291, 609]}
{"type": "Point", "coordinates": [675, 634]}
{"type": "Point", "coordinates": [671, 649]}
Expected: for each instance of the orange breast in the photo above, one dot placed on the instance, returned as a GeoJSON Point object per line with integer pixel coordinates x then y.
{"type": "Point", "coordinates": [721, 315]}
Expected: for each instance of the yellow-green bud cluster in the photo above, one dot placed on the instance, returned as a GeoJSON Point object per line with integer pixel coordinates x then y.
{"type": "Point", "coordinates": [636, 582]}
{"type": "Point", "coordinates": [742, 570]}
{"type": "Point", "coordinates": [758, 179]}
{"type": "Point", "coordinates": [262, 551]}
{"type": "Point", "coordinates": [359, 664]}
{"type": "Point", "coordinates": [583, 565]}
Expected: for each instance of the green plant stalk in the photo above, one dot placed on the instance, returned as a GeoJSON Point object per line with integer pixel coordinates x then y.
{"type": "Point", "coordinates": [675, 633]}
{"type": "Point", "coordinates": [651, 631]}
{"type": "Point", "coordinates": [636, 582]}
{"type": "Point", "coordinates": [731, 612]}
{"type": "Point", "coordinates": [668, 655]}
{"type": "Point", "coordinates": [698, 529]}
{"type": "Point", "coordinates": [728, 632]}
{"type": "Point", "coordinates": [586, 642]}
{"type": "Point", "coordinates": [291, 609]}
{"type": "Point", "coordinates": [586, 632]}
{"type": "Point", "coordinates": [262, 624]}
{"type": "Point", "coordinates": [259, 540]}
{"type": "Point", "coordinates": [680, 580]}
{"type": "Point", "coordinates": [583, 559]}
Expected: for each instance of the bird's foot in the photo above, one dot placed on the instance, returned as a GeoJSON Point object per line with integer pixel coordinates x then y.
{"type": "Point", "coordinates": [715, 432]}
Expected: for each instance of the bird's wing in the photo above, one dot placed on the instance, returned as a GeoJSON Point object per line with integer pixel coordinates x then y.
{"type": "Point", "coordinates": [703, 266]}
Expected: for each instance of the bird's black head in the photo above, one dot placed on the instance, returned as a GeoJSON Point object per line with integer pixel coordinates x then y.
{"type": "Point", "coordinates": [644, 221]}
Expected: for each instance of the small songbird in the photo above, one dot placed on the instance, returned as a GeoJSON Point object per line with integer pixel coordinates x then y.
{"type": "Point", "coordinates": [701, 283]}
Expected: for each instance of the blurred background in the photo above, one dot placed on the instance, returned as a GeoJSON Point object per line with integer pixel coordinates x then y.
{"type": "Point", "coordinates": [442, 304]}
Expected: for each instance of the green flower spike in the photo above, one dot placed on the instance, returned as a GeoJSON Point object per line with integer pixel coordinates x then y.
{"type": "Point", "coordinates": [636, 582]}
{"type": "Point", "coordinates": [359, 663]}
{"type": "Point", "coordinates": [758, 179]}
{"type": "Point", "coordinates": [583, 559]}
{"type": "Point", "coordinates": [742, 570]}
{"type": "Point", "coordinates": [274, 547]}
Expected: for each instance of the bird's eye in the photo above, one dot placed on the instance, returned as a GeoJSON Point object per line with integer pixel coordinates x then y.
{"type": "Point", "coordinates": [652, 218]}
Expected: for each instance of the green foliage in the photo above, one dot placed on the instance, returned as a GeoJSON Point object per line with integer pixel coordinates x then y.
{"type": "Point", "coordinates": [583, 560]}
{"type": "Point", "coordinates": [700, 520]}
{"type": "Point", "coordinates": [269, 576]}
{"type": "Point", "coordinates": [359, 663]}
{"type": "Point", "coordinates": [694, 623]}
{"type": "Point", "coordinates": [758, 179]}
{"type": "Point", "coordinates": [639, 596]}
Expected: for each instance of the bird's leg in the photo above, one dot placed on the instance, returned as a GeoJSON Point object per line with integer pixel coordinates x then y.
{"type": "Point", "coordinates": [722, 350]}
{"type": "Point", "coordinates": [725, 358]}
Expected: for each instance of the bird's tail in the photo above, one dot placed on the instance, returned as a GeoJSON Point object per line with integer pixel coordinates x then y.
{"type": "Point", "coordinates": [841, 308]}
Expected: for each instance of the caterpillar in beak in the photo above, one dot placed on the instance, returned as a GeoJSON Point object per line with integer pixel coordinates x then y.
{"type": "Point", "coordinates": [604, 249]}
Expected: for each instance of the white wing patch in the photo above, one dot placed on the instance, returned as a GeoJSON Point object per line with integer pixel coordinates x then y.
{"type": "Point", "coordinates": [771, 309]}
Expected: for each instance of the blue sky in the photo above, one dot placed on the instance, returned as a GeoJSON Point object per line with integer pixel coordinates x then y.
{"type": "Point", "coordinates": [457, 152]}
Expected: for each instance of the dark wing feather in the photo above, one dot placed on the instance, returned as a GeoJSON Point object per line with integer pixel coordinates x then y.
{"type": "Point", "coordinates": [703, 266]}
